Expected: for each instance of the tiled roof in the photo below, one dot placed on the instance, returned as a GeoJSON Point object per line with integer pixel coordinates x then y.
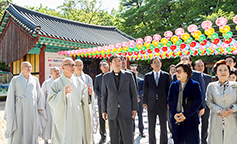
{"type": "Point", "coordinates": [65, 29]}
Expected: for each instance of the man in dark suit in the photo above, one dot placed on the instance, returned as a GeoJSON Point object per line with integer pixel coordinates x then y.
{"type": "Point", "coordinates": [140, 102]}
{"type": "Point", "coordinates": [197, 76]}
{"type": "Point", "coordinates": [231, 60]}
{"type": "Point", "coordinates": [119, 101]}
{"type": "Point", "coordinates": [104, 67]}
{"type": "Point", "coordinates": [156, 87]}
{"type": "Point", "coordinates": [199, 66]}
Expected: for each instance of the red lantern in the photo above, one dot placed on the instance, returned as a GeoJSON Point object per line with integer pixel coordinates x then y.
{"type": "Point", "coordinates": [203, 43]}
{"type": "Point", "coordinates": [109, 55]}
{"type": "Point", "coordinates": [173, 47]}
{"type": "Point", "coordinates": [136, 53]}
{"type": "Point", "coordinates": [164, 48]}
{"type": "Point", "coordinates": [149, 51]}
{"type": "Point", "coordinates": [126, 53]}
{"type": "Point", "coordinates": [130, 53]}
{"type": "Point", "coordinates": [183, 46]}
{"type": "Point", "coordinates": [157, 50]}
{"type": "Point", "coordinates": [216, 41]}
{"type": "Point", "coordinates": [193, 44]}
{"type": "Point", "coordinates": [228, 41]}
{"type": "Point", "coordinates": [142, 52]}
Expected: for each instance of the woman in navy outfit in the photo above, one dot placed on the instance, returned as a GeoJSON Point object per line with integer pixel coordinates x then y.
{"type": "Point", "coordinates": [184, 100]}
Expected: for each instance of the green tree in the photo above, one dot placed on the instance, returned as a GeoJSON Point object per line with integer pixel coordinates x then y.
{"type": "Point", "coordinates": [3, 6]}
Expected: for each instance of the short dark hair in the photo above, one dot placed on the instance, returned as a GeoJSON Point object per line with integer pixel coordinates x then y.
{"type": "Point", "coordinates": [187, 68]}
{"type": "Point", "coordinates": [114, 56]}
{"type": "Point", "coordinates": [101, 62]}
{"type": "Point", "coordinates": [190, 58]}
{"type": "Point", "coordinates": [134, 66]}
{"type": "Point", "coordinates": [230, 56]}
{"type": "Point", "coordinates": [123, 57]}
{"type": "Point", "coordinates": [199, 60]}
{"type": "Point", "coordinates": [220, 62]}
{"type": "Point", "coordinates": [233, 72]}
{"type": "Point", "coordinates": [153, 58]}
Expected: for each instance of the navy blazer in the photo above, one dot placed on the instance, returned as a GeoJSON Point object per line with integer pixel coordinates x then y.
{"type": "Point", "coordinates": [197, 76]}
{"type": "Point", "coordinates": [207, 79]}
{"type": "Point", "coordinates": [192, 98]}
{"type": "Point", "coordinates": [97, 87]}
{"type": "Point", "coordinates": [140, 87]}
{"type": "Point", "coordinates": [150, 89]}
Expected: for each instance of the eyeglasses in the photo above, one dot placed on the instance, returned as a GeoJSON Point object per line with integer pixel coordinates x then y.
{"type": "Point", "coordinates": [28, 66]}
{"type": "Point", "coordinates": [178, 71]}
{"type": "Point", "coordinates": [229, 61]}
{"type": "Point", "coordinates": [78, 65]}
{"type": "Point", "coordinates": [71, 65]}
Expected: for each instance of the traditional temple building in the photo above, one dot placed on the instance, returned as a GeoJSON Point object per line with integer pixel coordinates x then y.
{"type": "Point", "coordinates": [27, 35]}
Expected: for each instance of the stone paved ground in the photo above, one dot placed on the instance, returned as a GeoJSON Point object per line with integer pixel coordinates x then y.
{"type": "Point", "coordinates": [138, 139]}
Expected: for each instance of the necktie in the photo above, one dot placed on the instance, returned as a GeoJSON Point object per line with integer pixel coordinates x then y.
{"type": "Point", "coordinates": [157, 78]}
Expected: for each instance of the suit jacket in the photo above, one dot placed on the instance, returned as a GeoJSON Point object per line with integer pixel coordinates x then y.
{"type": "Point", "coordinates": [216, 101]}
{"type": "Point", "coordinates": [207, 79]}
{"type": "Point", "coordinates": [125, 96]}
{"type": "Point", "coordinates": [197, 76]}
{"type": "Point", "coordinates": [150, 90]}
{"type": "Point", "coordinates": [140, 87]}
{"type": "Point", "coordinates": [97, 87]}
{"type": "Point", "coordinates": [192, 98]}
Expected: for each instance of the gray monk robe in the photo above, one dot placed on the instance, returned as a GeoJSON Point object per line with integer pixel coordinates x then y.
{"type": "Point", "coordinates": [72, 120]}
{"type": "Point", "coordinates": [46, 120]}
{"type": "Point", "coordinates": [21, 110]}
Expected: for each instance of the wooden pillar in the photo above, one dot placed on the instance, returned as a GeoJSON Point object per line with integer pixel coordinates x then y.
{"type": "Point", "coordinates": [128, 64]}
{"type": "Point", "coordinates": [11, 68]}
{"type": "Point", "coordinates": [42, 65]}
{"type": "Point", "coordinates": [24, 58]}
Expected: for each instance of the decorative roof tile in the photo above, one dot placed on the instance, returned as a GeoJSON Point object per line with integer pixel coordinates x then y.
{"type": "Point", "coordinates": [60, 28]}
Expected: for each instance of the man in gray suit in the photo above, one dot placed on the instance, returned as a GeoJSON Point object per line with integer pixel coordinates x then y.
{"type": "Point", "coordinates": [199, 66]}
{"type": "Point", "coordinates": [119, 101]}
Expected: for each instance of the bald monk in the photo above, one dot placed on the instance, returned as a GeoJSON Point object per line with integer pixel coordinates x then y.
{"type": "Point", "coordinates": [21, 111]}
{"type": "Point", "coordinates": [69, 101]}
{"type": "Point", "coordinates": [47, 120]}
{"type": "Point", "coordinates": [89, 82]}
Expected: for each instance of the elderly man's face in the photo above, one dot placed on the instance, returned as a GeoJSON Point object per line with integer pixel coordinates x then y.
{"type": "Point", "coordinates": [116, 64]}
{"type": "Point", "coordinates": [78, 66]}
{"type": "Point", "coordinates": [199, 66]}
{"type": "Point", "coordinates": [68, 67]}
{"type": "Point", "coordinates": [124, 63]}
{"type": "Point", "coordinates": [55, 73]}
{"type": "Point", "coordinates": [26, 68]}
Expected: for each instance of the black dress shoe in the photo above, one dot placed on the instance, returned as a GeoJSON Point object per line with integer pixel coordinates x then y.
{"type": "Point", "coordinates": [102, 140]}
{"type": "Point", "coordinates": [142, 135]}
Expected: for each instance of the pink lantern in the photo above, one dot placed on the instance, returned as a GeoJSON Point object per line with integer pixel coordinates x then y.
{"type": "Point", "coordinates": [117, 45]}
{"type": "Point", "coordinates": [148, 39]}
{"type": "Point", "coordinates": [221, 22]}
{"type": "Point", "coordinates": [206, 24]}
{"type": "Point", "coordinates": [235, 19]}
{"type": "Point", "coordinates": [179, 32]}
{"type": "Point", "coordinates": [99, 48]}
{"type": "Point", "coordinates": [168, 34]}
{"type": "Point", "coordinates": [192, 28]}
{"type": "Point", "coordinates": [59, 52]}
{"type": "Point", "coordinates": [139, 41]}
{"type": "Point", "coordinates": [131, 43]}
{"type": "Point", "coordinates": [111, 46]}
{"type": "Point", "coordinates": [124, 44]}
{"type": "Point", "coordinates": [156, 37]}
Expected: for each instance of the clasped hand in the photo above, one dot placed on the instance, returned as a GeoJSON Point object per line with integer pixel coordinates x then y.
{"type": "Point", "coordinates": [179, 117]}
{"type": "Point", "coordinates": [226, 112]}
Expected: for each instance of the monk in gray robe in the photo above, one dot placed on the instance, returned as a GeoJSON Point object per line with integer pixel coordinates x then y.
{"type": "Point", "coordinates": [21, 111]}
{"type": "Point", "coordinates": [47, 120]}
{"type": "Point", "coordinates": [89, 82]}
{"type": "Point", "coordinates": [69, 102]}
